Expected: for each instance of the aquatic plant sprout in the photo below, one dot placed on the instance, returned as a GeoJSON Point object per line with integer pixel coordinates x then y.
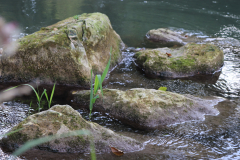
{"type": "Point", "coordinates": [39, 97]}
{"type": "Point", "coordinates": [50, 100]}
{"type": "Point", "coordinates": [98, 84]}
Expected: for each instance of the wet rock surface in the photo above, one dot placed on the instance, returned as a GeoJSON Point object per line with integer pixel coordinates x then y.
{"type": "Point", "coordinates": [148, 108]}
{"type": "Point", "coordinates": [64, 52]}
{"type": "Point", "coordinates": [189, 60]}
{"type": "Point", "coordinates": [165, 36]}
{"type": "Point", "coordinates": [62, 119]}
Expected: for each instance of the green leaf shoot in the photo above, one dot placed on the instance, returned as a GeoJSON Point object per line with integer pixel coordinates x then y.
{"type": "Point", "coordinates": [162, 88]}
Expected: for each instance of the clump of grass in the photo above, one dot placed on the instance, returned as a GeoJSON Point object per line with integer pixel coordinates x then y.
{"type": "Point", "coordinates": [98, 84]}
{"type": "Point", "coordinates": [39, 97]}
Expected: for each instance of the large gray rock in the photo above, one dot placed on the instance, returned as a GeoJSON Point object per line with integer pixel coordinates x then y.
{"type": "Point", "coordinates": [62, 119]}
{"type": "Point", "coordinates": [188, 60]}
{"type": "Point", "coordinates": [149, 108]}
{"type": "Point", "coordinates": [64, 52]}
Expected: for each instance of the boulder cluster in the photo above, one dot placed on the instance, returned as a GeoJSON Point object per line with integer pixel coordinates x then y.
{"type": "Point", "coordinates": [66, 52]}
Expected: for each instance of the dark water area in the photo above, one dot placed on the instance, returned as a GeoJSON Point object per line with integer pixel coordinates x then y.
{"type": "Point", "coordinates": [212, 21]}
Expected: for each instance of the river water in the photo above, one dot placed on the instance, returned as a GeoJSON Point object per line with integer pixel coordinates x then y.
{"type": "Point", "coordinates": [216, 21]}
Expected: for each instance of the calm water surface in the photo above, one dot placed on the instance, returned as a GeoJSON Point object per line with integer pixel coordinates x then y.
{"type": "Point", "coordinates": [215, 138]}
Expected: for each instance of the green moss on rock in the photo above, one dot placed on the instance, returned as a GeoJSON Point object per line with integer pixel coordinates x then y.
{"type": "Point", "coordinates": [186, 61]}
{"type": "Point", "coordinates": [64, 52]}
{"type": "Point", "coordinates": [62, 119]}
{"type": "Point", "coordinates": [148, 108]}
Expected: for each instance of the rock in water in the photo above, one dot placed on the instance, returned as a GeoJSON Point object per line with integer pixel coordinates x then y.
{"type": "Point", "coordinates": [188, 60]}
{"type": "Point", "coordinates": [165, 36]}
{"type": "Point", "coordinates": [149, 108]}
{"type": "Point", "coordinates": [64, 52]}
{"type": "Point", "coordinates": [62, 119]}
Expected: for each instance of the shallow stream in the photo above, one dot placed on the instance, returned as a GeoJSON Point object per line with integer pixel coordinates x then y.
{"type": "Point", "coordinates": [215, 138]}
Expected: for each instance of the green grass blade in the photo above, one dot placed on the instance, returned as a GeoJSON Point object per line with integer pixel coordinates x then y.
{"type": "Point", "coordinates": [30, 105]}
{"type": "Point", "coordinates": [39, 141]}
{"type": "Point", "coordinates": [91, 97]}
{"type": "Point", "coordinates": [107, 67]}
{"type": "Point", "coordinates": [33, 90]}
{"type": "Point", "coordinates": [95, 98]}
{"type": "Point", "coordinates": [10, 88]}
{"type": "Point", "coordinates": [46, 96]}
{"type": "Point", "coordinates": [100, 83]}
{"type": "Point", "coordinates": [47, 99]}
{"type": "Point", "coordinates": [96, 85]}
{"type": "Point", "coordinates": [92, 150]}
{"type": "Point", "coordinates": [44, 91]}
{"type": "Point", "coordinates": [7, 134]}
{"type": "Point", "coordinates": [50, 101]}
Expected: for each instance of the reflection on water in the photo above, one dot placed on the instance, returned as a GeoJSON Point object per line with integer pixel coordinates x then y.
{"type": "Point", "coordinates": [131, 18]}
{"type": "Point", "coordinates": [217, 136]}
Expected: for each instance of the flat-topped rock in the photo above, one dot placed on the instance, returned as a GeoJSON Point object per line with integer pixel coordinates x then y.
{"type": "Point", "coordinates": [149, 109]}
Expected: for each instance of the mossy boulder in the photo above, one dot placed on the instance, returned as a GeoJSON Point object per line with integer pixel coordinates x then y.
{"type": "Point", "coordinates": [149, 109]}
{"type": "Point", "coordinates": [64, 52]}
{"type": "Point", "coordinates": [188, 60]}
{"type": "Point", "coordinates": [62, 119]}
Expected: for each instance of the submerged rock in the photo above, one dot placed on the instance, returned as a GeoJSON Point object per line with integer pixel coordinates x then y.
{"type": "Point", "coordinates": [62, 119]}
{"type": "Point", "coordinates": [64, 52]}
{"type": "Point", "coordinates": [150, 108]}
{"type": "Point", "coordinates": [185, 61]}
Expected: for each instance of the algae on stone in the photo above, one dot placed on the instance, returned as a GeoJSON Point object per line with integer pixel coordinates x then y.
{"type": "Point", "coordinates": [185, 61]}
{"type": "Point", "coordinates": [62, 119]}
{"type": "Point", "coordinates": [149, 108]}
{"type": "Point", "coordinates": [64, 52]}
